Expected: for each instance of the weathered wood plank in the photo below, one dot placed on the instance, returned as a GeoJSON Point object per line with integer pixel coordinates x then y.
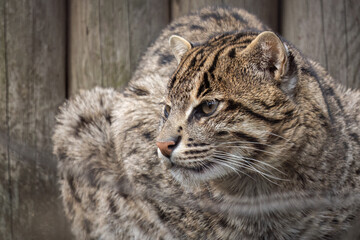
{"type": "Point", "coordinates": [35, 87]}
{"type": "Point", "coordinates": [107, 39]}
{"type": "Point", "coordinates": [352, 33]}
{"type": "Point", "coordinates": [265, 10]}
{"type": "Point", "coordinates": [84, 54]}
{"type": "Point", "coordinates": [328, 32]}
{"type": "Point", "coordinates": [114, 43]}
{"type": "Point", "coordinates": [146, 20]}
{"type": "Point", "coordinates": [5, 194]}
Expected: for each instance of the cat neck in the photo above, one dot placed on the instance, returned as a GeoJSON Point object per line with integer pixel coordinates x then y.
{"type": "Point", "coordinates": [244, 186]}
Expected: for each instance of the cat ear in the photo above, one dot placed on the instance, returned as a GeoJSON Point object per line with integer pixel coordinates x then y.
{"type": "Point", "coordinates": [179, 46]}
{"type": "Point", "coordinates": [269, 54]}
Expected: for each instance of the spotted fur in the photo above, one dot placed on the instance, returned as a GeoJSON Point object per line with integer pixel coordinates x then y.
{"type": "Point", "coordinates": [279, 158]}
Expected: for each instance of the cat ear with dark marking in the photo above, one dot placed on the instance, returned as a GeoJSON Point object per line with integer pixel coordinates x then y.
{"type": "Point", "coordinates": [179, 46]}
{"type": "Point", "coordinates": [269, 54]}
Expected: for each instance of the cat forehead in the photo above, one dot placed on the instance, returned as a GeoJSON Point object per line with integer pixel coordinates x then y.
{"type": "Point", "coordinates": [185, 89]}
{"type": "Point", "coordinates": [207, 57]}
{"type": "Point", "coordinates": [214, 67]}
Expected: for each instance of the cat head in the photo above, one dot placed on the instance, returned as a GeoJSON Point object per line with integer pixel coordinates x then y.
{"type": "Point", "coordinates": [229, 108]}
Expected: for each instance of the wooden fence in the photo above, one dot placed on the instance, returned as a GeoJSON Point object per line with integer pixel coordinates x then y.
{"type": "Point", "coordinates": [49, 49]}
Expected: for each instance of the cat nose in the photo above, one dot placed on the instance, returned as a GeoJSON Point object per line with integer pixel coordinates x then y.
{"type": "Point", "coordinates": [166, 148]}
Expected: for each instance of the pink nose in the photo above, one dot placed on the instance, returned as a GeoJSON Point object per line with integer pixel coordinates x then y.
{"type": "Point", "coordinates": [166, 148]}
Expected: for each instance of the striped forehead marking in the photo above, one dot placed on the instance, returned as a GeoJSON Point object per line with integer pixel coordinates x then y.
{"type": "Point", "coordinates": [196, 60]}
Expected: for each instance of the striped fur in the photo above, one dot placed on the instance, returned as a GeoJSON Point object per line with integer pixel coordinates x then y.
{"type": "Point", "coordinates": [279, 158]}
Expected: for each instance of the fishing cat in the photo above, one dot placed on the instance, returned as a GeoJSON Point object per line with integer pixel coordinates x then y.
{"type": "Point", "coordinates": [255, 141]}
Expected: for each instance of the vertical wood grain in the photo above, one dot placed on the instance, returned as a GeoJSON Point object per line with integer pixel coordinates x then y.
{"type": "Point", "coordinates": [114, 43]}
{"type": "Point", "coordinates": [84, 45]}
{"type": "Point", "coordinates": [5, 193]}
{"type": "Point", "coordinates": [352, 36]}
{"type": "Point", "coordinates": [328, 32]}
{"type": "Point", "coordinates": [146, 20]}
{"type": "Point", "coordinates": [265, 10]}
{"type": "Point", "coordinates": [108, 37]}
{"type": "Point", "coordinates": [32, 66]}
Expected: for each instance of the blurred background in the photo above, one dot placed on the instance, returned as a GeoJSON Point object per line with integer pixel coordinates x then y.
{"type": "Point", "coordinates": [50, 49]}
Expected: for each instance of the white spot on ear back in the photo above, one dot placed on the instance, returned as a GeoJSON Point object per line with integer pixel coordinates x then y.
{"type": "Point", "coordinates": [288, 85]}
{"type": "Point", "coordinates": [292, 83]}
{"type": "Point", "coordinates": [286, 49]}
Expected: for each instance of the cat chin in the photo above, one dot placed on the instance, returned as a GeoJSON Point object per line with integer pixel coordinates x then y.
{"type": "Point", "coordinates": [191, 178]}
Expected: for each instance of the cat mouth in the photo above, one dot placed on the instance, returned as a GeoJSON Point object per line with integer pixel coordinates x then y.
{"type": "Point", "coordinates": [196, 169]}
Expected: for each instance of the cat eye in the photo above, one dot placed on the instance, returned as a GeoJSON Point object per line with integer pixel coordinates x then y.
{"type": "Point", "coordinates": [206, 108]}
{"type": "Point", "coordinates": [167, 110]}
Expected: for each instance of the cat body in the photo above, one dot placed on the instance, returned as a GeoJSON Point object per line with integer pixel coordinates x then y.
{"type": "Point", "coordinates": [264, 144]}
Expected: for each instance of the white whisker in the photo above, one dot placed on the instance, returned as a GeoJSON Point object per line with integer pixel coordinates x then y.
{"type": "Point", "coordinates": [244, 142]}
{"type": "Point", "coordinates": [236, 164]}
{"type": "Point", "coordinates": [232, 159]}
{"type": "Point", "coordinates": [266, 176]}
{"type": "Point", "coordinates": [266, 164]}
{"type": "Point", "coordinates": [273, 134]}
{"type": "Point", "coordinates": [252, 159]}
{"type": "Point", "coordinates": [192, 161]}
{"type": "Point", "coordinates": [228, 164]}
{"type": "Point", "coordinates": [246, 147]}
